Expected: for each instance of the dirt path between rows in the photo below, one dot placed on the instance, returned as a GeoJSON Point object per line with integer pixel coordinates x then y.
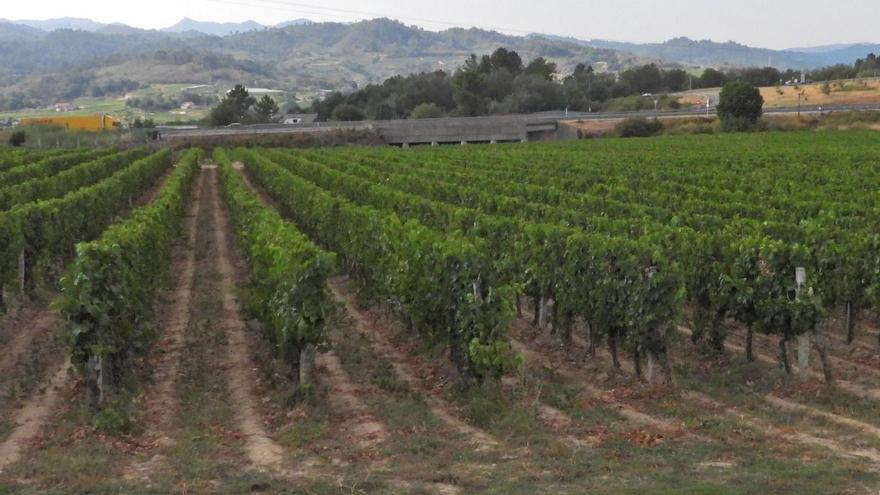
{"type": "Point", "coordinates": [776, 402]}
{"type": "Point", "coordinates": [787, 434]}
{"type": "Point", "coordinates": [627, 411]}
{"type": "Point", "coordinates": [779, 403]}
{"type": "Point", "coordinates": [31, 417]}
{"type": "Point", "coordinates": [850, 387]}
{"type": "Point", "coordinates": [838, 363]}
{"type": "Point", "coordinates": [405, 372]}
{"type": "Point", "coordinates": [160, 402]}
{"type": "Point", "coordinates": [29, 327]}
{"type": "Point", "coordinates": [360, 423]}
{"type": "Point", "coordinates": [263, 452]}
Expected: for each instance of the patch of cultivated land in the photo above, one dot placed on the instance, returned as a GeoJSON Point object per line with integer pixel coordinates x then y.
{"type": "Point", "coordinates": [214, 413]}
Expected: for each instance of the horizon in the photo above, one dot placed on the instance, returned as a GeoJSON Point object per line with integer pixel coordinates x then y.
{"type": "Point", "coordinates": [277, 24]}
{"type": "Point", "coordinates": [632, 22]}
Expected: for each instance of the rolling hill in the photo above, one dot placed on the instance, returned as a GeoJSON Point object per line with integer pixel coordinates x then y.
{"type": "Point", "coordinates": [42, 61]}
{"type": "Point", "coordinates": [301, 57]}
{"type": "Point", "coordinates": [730, 54]}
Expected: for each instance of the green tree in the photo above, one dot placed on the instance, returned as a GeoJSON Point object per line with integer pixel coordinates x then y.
{"type": "Point", "coordinates": [146, 123]}
{"type": "Point", "coordinates": [232, 108]}
{"type": "Point", "coordinates": [740, 107]}
{"type": "Point", "coordinates": [502, 59]}
{"type": "Point", "coordinates": [266, 109]}
{"type": "Point", "coordinates": [426, 111]}
{"type": "Point", "coordinates": [17, 138]}
{"type": "Point", "coordinates": [347, 112]}
{"type": "Point", "coordinates": [467, 86]}
{"type": "Point", "coordinates": [712, 78]}
{"type": "Point", "coordinates": [542, 68]}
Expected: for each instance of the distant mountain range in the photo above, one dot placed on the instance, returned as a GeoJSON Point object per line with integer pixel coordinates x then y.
{"type": "Point", "coordinates": [712, 54]}
{"type": "Point", "coordinates": [683, 51]}
{"type": "Point", "coordinates": [226, 28]}
{"type": "Point", "coordinates": [185, 25]}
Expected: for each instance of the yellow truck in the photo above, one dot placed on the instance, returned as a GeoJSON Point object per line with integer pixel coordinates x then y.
{"type": "Point", "coordinates": [79, 123]}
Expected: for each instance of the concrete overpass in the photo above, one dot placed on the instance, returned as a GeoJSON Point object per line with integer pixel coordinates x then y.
{"type": "Point", "coordinates": [495, 129]}
{"type": "Point", "coordinates": [543, 126]}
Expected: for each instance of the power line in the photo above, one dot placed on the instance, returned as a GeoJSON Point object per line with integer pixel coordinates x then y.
{"type": "Point", "coordinates": [336, 12]}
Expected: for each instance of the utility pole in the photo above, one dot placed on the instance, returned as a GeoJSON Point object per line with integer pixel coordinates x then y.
{"type": "Point", "coordinates": [803, 95]}
{"type": "Point", "coordinates": [589, 89]}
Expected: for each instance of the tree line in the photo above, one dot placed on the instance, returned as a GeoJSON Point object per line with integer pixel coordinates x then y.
{"type": "Point", "coordinates": [502, 82]}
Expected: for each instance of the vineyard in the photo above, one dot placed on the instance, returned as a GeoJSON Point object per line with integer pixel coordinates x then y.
{"type": "Point", "coordinates": [694, 314]}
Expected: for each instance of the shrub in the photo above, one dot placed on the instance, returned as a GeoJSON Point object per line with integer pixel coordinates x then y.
{"type": "Point", "coordinates": [17, 138]}
{"type": "Point", "coordinates": [346, 113]}
{"type": "Point", "coordinates": [740, 107]}
{"type": "Point", "coordinates": [426, 111]}
{"type": "Point", "coordinates": [638, 127]}
{"type": "Point", "coordinates": [742, 124]}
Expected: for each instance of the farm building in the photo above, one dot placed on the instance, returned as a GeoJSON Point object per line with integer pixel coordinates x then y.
{"type": "Point", "coordinates": [63, 106]}
{"type": "Point", "coordinates": [78, 123]}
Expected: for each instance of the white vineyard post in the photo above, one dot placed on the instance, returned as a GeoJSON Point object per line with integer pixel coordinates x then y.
{"type": "Point", "coordinates": [803, 339]}
{"type": "Point", "coordinates": [95, 379]}
{"type": "Point", "coordinates": [306, 365]}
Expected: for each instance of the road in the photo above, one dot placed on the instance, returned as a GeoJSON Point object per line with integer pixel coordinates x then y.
{"type": "Point", "coordinates": [562, 116]}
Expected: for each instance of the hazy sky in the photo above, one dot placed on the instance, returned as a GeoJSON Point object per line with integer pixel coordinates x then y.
{"type": "Point", "coordinates": [765, 23]}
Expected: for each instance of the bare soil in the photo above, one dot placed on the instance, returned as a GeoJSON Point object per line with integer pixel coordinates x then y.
{"type": "Point", "coordinates": [358, 421]}
{"type": "Point", "coordinates": [30, 418]}
{"type": "Point", "coordinates": [262, 451]}
{"type": "Point", "coordinates": [173, 319]}
{"type": "Point", "coordinates": [373, 327]}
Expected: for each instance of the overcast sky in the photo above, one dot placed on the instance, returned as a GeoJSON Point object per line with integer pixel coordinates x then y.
{"type": "Point", "coordinates": [764, 23]}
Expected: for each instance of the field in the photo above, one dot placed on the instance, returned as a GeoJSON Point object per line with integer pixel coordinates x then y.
{"type": "Point", "coordinates": [849, 92]}
{"type": "Point", "coordinates": [601, 316]}
{"type": "Point", "coordinates": [116, 106]}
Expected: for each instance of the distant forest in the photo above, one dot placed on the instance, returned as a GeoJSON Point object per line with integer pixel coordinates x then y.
{"type": "Point", "coordinates": [503, 83]}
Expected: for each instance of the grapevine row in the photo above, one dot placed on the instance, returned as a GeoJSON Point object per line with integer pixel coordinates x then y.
{"type": "Point", "coordinates": [436, 282]}
{"type": "Point", "coordinates": [36, 236]}
{"type": "Point", "coordinates": [109, 288]}
{"type": "Point", "coordinates": [289, 274]}
{"type": "Point", "coordinates": [74, 178]}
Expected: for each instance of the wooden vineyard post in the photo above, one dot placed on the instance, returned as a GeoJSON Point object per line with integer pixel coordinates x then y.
{"type": "Point", "coordinates": [21, 274]}
{"type": "Point", "coordinates": [803, 339]}
{"type": "Point", "coordinates": [95, 380]}
{"type": "Point", "coordinates": [306, 365]}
